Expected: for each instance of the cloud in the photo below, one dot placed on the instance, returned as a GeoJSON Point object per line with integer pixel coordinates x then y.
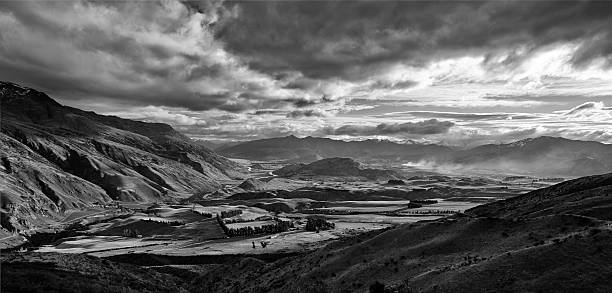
{"type": "Point", "coordinates": [325, 39]}
{"type": "Point", "coordinates": [480, 71]}
{"type": "Point", "coordinates": [306, 113]}
{"type": "Point", "coordinates": [590, 111]}
{"type": "Point", "coordinates": [463, 116]}
{"type": "Point", "coordinates": [159, 114]}
{"type": "Point", "coordinates": [426, 127]}
{"type": "Point", "coordinates": [160, 53]}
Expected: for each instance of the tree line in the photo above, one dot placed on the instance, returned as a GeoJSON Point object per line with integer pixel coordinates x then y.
{"type": "Point", "coordinates": [318, 223]}
{"type": "Point", "coordinates": [230, 213]}
{"type": "Point", "coordinates": [277, 227]}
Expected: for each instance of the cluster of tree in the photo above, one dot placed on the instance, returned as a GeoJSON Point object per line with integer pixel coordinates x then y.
{"type": "Point", "coordinates": [332, 212]}
{"type": "Point", "coordinates": [203, 214]}
{"type": "Point", "coordinates": [310, 205]}
{"type": "Point", "coordinates": [239, 220]}
{"type": "Point", "coordinates": [430, 212]}
{"type": "Point", "coordinates": [413, 205]}
{"type": "Point", "coordinates": [171, 223]}
{"type": "Point", "coordinates": [318, 223]}
{"type": "Point", "coordinates": [424, 201]}
{"type": "Point", "coordinates": [230, 213]}
{"type": "Point", "coordinates": [277, 227]}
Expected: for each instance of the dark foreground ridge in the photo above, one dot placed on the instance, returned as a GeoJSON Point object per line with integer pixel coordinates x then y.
{"type": "Point", "coordinates": [556, 239]}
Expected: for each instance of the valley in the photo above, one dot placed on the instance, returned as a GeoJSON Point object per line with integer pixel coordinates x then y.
{"type": "Point", "coordinates": [82, 190]}
{"type": "Point", "coordinates": [194, 226]}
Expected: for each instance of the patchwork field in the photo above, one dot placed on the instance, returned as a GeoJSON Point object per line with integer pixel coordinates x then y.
{"type": "Point", "coordinates": [270, 215]}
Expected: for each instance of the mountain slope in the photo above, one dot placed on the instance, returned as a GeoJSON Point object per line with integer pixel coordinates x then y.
{"type": "Point", "coordinates": [556, 239]}
{"type": "Point", "coordinates": [57, 158]}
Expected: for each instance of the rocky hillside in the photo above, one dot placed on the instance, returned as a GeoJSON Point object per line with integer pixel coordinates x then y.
{"type": "Point", "coordinates": [557, 239]}
{"type": "Point", "coordinates": [334, 167]}
{"type": "Point", "coordinates": [57, 158]}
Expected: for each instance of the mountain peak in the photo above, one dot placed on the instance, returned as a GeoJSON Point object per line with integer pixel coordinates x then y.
{"type": "Point", "coordinates": [11, 92]}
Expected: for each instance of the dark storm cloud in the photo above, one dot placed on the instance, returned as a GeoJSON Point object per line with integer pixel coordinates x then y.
{"type": "Point", "coordinates": [431, 126]}
{"type": "Point", "coordinates": [134, 52]}
{"type": "Point", "coordinates": [305, 113]}
{"type": "Point", "coordinates": [325, 39]}
{"type": "Point", "coordinates": [300, 103]}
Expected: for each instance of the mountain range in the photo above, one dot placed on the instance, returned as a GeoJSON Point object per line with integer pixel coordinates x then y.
{"type": "Point", "coordinates": [309, 149]}
{"type": "Point", "coordinates": [57, 158]}
{"type": "Point", "coordinates": [543, 155]}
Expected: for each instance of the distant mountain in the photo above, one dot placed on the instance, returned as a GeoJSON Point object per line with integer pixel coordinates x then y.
{"type": "Point", "coordinates": [310, 149]}
{"type": "Point", "coordinates": [57, 158]}
{"type": "Point", "coordinates": [334, 167]}
{"type": "Point", "coordinates": [556, 239]}
{"type": "Point", "coordinates": [543, 155]}
{"type": "Point", "coordinates": [213, 145]}
{"type": "Point", "coordinates": [550, 156]}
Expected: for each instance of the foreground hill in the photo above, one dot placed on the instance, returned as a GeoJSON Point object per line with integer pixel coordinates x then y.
{"type": "Point", "coordinates": [557, 239]}
{"type": "Point", "coordinates": [334, 167]}
{"type": "Point", "coordinates": [50, 272]}
{"type": "Point", "coordinates": [57, 158]}
{"type": "Point", "coordinates": [547, 156]}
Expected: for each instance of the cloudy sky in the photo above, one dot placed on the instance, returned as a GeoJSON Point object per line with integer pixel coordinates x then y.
{"type": "Point", "coordinates": [458, 73]}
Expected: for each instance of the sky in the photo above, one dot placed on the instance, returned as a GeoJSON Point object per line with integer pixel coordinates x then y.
{"type": "Point", "coordinates": [458, 73]}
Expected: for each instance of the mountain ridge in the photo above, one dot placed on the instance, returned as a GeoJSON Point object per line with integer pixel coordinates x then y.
{"type": "Point", "coordinates": [57, 158]}
{"type": "Point", "coordinates": [544, 155]}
